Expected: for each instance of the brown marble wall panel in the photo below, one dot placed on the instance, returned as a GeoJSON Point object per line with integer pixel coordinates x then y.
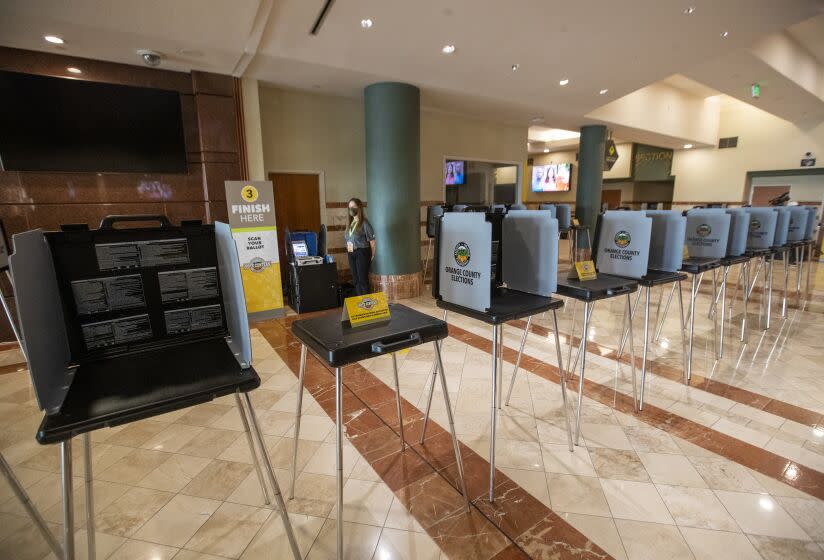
{"type": "Point", "coordinates": [51, 216]}
{"type": "Point", "coordinates": [191, 134]}
{"type": "Point", "coordinates": [16, 218]}
{"type": "Point", "coordinates": [216, 174]}
{"type": "Point", "coordinates": [217, 122]}
{"type": "Point", "coordinates": [213, 84]}
{"type": "Point", "coordinates": [218, 212]}
{"type": "Point", "coordinates": [11, 192]}
{"type": "Point", "coordinates": [189, 187]}
{"type": "Point", "coordinates": [220, 157]}
{"type": "Point", "coordinates": [179, 211]}
{"type": "Point", "coordinates": [51, 64]}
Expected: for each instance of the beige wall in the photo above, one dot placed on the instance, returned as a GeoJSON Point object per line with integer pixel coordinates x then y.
{"type": "Point", "coordinates": [765, 142]}
{"type": "Point", "coordinates": [308, 132]}
{"type": "Point", "coordinates": [304, 131]}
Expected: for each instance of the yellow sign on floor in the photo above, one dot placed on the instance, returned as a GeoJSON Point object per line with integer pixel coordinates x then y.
{"type": "Point", "coordinates": [369, 308]}
{"type": "Point", "coordinates": [586, 270]}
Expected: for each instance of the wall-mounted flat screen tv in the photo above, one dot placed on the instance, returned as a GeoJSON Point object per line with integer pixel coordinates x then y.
{"type": "Point", "coordinates": [453, 173]}
{"type": "Point", "coordinates": [63, 124]}
{"type": "Point", "coordinates": [554, 177]}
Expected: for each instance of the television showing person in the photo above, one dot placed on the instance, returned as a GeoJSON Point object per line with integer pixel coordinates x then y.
{"type": "Point", "coordinates": [538, 178]}
{"type": "Point", "coordinates": [562, 177]}
{"type": "Point", "coordinates": [549, 178]}
{"type": "Point", "coordinates": [459, 172]}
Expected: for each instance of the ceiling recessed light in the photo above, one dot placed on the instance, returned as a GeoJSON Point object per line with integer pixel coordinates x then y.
{"type": "Point", "coordinates": [564, 82]}
{"type": "Point", "coordinates": [54, 39]}
{"type": "Point", "coordinates": [366, 23]}
{"type": "Point", "coordinates": [537, 119]}
{"type": "Point", "coordinates": [689, 11]}
{"type": "Point", "coordinates": [515, 67]}
{"type": "Point", "coordinates": [74, 70]}
{"type": "Point", "coordinates": [687, 146]}
{"type": "Point", "coordinates": [725, 34]}
{"type": "Point", "coordinates": [448, 49]}
{"type": "Point", "coordinates": [603, 91]}
{"type": "Point", "coordinates": [546, 150]}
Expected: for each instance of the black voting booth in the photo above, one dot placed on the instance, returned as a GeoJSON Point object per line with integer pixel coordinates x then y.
{"type": "Point", "coordinates": [123, 324]}
{"type": "Point", "coordinates": [497, 267]}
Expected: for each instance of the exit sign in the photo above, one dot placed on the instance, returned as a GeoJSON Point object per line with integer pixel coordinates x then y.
{"type": "Point", "coordinates": [755, 91]}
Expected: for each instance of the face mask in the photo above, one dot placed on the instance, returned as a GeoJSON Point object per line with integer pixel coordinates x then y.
{"type": "Point", "coordinates": [353, 212]}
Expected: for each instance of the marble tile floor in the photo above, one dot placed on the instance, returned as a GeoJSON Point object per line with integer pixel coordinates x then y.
{"type": "Point", "coordinates": [182, 485]}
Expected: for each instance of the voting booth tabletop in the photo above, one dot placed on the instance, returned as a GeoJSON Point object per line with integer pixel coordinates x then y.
{"type": "Point", "coordinates": [697, 265]}
{"type": "Point", "coordinates": [339, 344]}
{"type": "Point", "coordinates": [660, 277]}
{"type": "Point", "coordinates": [605, 286]}
{"type": "Point", "coordinates": [143, 387]}
{"type": "Point", "coordinates": [733, 260]}
{"type": "Point", "coordinates": [507, 305]}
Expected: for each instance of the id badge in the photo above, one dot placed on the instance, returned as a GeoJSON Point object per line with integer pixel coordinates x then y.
{"type": "Point", "coordinates": [350, 247]}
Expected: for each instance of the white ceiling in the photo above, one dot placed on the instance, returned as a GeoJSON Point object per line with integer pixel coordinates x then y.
{"type": "Point", "coordinates": [810, 33]}
{"type": "Point", "coordinates": [621, 46]}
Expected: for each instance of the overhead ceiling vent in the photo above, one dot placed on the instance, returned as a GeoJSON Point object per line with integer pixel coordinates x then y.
{"type": "Point", "coordinates": [731, 142]}
{"type": "Point", "coordinates": [324, 11]}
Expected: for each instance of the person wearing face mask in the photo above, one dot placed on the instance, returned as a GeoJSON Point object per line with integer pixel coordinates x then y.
{"type": "Point", "coordinates": [360, 246]}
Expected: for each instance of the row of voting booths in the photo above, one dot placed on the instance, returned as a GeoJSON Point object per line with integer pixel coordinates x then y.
{"type": "Point", "coordinates": [499, 266]}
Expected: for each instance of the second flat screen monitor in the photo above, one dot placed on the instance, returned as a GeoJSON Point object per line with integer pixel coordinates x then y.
{"type": "Point", "coordinates": [553, 177]}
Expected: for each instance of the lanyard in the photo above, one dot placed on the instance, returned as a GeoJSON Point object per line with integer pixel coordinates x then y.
{"type": "Point", "coordinates": [352, 227]}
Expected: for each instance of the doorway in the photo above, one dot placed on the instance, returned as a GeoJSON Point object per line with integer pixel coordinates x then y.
{"type": "Point", "coordinates": [297, 207]}
{"type": "Point", "coordinates": [761, 196]}
{"type": "Point", "coordinates": [611, 197]}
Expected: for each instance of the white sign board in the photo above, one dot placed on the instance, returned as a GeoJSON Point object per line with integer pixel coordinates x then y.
{"type": "Point", "coordinates": [465, 257]}
{"type": "Point", "coordinates": [623, 243]}
{"type": "Point", "coordinates": [798, 223]}
{"type": "Point", "coordinates": [762, 228]}
{"type": "Point", "coordinates": [782, 226]}
{"type": "Point", "coordinates": [708, 232]}
{"type": "Point", "coordinates": [666, 249]}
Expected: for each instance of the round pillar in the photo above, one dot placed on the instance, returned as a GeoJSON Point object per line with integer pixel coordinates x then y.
{"type": "Point", "coordinates": [590, 174]}
{"type": "Point", "coordinates": [393, 191]}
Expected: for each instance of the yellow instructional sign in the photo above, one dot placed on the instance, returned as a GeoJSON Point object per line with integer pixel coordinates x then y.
{"type": "Point", "coordinates": [576, 222]}
{"type": "Point", "coordinates": [586, 270]}
{"type": "Point", "coordinates": [686, 254]}
{"type": "Point", "coordinates": [368, 308]}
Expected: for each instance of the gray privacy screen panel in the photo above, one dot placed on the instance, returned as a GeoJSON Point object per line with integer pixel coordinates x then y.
{"type": "Point", "coordinates": [739, 229]}
{"type": "Point", "coordinates": [782, 226]}
{"type": "Point", "coordinates": [708, 232]}
{"type": "Point", "coordinates": [465, 258]}
{"type": "Point", "coordinates": [42, 323]}
{"type": "Point", "coordinates": [623, 243]}
{"type": "Point", "coordinates": [564, 214]}
{"type": "Point", "coordinates": [666, 248]}
{"type": "Point", "coordinates": [530, 251]}
{"type": "Point", "coordinates": [553, 211]}
{"type": "Point", "coordinates": [234, 300]}
{"type": "Point", "coordinates": [811, 222]}
{"type": "Point", "coordinates": [762, 228]}
{"type": "Point", "coordinates": [798, 223]}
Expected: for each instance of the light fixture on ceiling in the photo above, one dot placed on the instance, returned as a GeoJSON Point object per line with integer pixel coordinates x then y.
{"type": "Point", "coordinates": [74, 70]}
{"type": "Point", "coordinates": [725, 34]}
{"type": "Point", "coordinates": [537, 119]}
{"type": "Point", "coordinates": [687, 146]}
{"type": "Point", "coordinates": [515, 67]}
{"type": "Point", "coordinates": [689, 10]}
{"type": "Point", "coordinates": [603, 91]}
{"type": "Point", "coordinates": [448, 49]}
{"type": "Point", "coordinates": [54, 39]}
{"type": "Point", "coordinates": [546, 150]}
{"type": "Point", "coordinates": [564, 82]}
{"type": "Point", "coordinates": [366, 23]}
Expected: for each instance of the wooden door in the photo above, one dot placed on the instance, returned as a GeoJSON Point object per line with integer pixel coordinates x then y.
{"type": "Point", "coordinates": [611, 197]}
{"type": "Point", "coordinates": [297, 207]}
{"type": "Point", "coordinates": [761, 196]}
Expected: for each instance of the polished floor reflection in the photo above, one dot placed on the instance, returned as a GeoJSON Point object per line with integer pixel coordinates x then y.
{"type": "Point", "coordinates": [730, 467]}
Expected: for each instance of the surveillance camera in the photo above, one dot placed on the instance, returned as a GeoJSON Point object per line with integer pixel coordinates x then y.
{"type": "Point", "coordinates": [150, 58]}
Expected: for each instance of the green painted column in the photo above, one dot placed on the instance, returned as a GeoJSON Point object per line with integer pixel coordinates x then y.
{"type": "Point", "coordinates": [393, 177]}
{"type": "Point", "coordinates": [590, 174]}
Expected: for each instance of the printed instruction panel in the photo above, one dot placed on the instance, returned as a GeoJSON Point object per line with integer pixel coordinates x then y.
{"type": "Point", "coordinates": [117, 331]}
{"type": "Point", "coordinates": [98, 295]}
{"type": "Point", "coordinates": [133, 254]}
{"type": "Point", "coordinates": [186, 285]}
{"type": "Point", "coordinates": [193, 319]}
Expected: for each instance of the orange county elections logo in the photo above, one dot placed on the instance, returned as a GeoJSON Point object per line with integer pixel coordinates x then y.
{"type": "Point", "coordinates": [368, 303]}
{"type": "Point", "coordinates": [462, 254]}
{"type": "Point", "coordinates": [622, 239]}
{"type": "Point", "coordinates": [249, 193]}
{"type": "Point", "coordinates": [755, 224]}
{"type": "Point", "coordinates": [703, 230]}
